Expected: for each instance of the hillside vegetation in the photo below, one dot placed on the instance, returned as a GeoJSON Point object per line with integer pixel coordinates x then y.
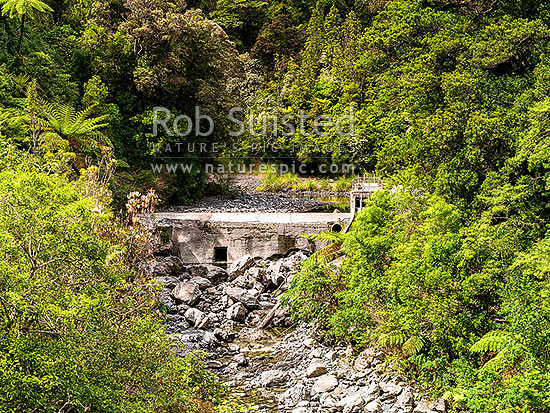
{"type": "Point", "coordinates": [450, 102]}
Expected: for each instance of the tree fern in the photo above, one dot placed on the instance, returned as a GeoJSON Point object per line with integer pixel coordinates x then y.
{"type": "Point", "coordinates": [72, 124]}
{"type": "Point", "coordinates": [413, 345]}
{"type": "Point", "coordinates": [493, 341]}
{"type": "Point", "coordinates": [497, 341]}
{"type": "Point", "coordinates": [393, 338]}
{"type": "Point", "coordinates": [24, 10]}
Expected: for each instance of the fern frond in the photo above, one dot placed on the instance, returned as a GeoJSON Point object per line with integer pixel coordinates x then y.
{"type": "Point", "coordinates": [324, 255]}
{"type": "Point", "coordinates": [494, 340]}
{"type": "Point", "coordinates": [393, 338]}
{"type": "Point", "coordinates": [413, 345]}
{"type": "Point", "coordinates": [498, 362]}
{"type": "Point", "coordinates": [69, 123]}
{"type": "Point", "coordinates": [326, 236]}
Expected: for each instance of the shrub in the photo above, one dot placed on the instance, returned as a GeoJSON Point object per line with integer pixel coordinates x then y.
{"type": "Point", "coordinates": [461, 304]}
{"type": "Point", "coordinates": [78, 326]}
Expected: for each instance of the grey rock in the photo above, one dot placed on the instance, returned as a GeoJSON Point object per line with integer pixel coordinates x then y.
{"type": "Point", "coordinates": [426, 406]}
{"type": "Point", "coordinates": [352, 403]}
{"type": "Point", "coordinates": [240, 359]}
{"type": "Point", "coordinates": [195, 316]}
{"type": "Point", "coordinates": [201, 282]}
{"type": "Point", "coordinates": [275, 273]}
{"type": "Point", "coordinates": [247, 297]}
{"type": "Point", "coordinates": [370, 392]}
{"type": "Point", "coordinates": [240, 266]}
{"type": "Point", "coordinates": [390, 390]}
{"type": "Point", "coordinates": [294, 395]}
{"type": "Point", "coordinates": [166, 266]}
{"type": "Point", "coordinates": [211, 272]}
{"type": "Point", "coordinates": [315, 353]}
{"type": "Point", "coordinates": [328, 401]}
{"type": "Point", "coordinates": [214, 364]}
{"type": "Point", "coordinates": [373, 407]}
{"type": "Point", "coordinates": [187, 293]}
{"type": "Point", "coordinates": [309, 342]}
{"type": "Point", "coordinates": [209, 340]}
{"type": "Point", "coordinates": [364, 360]}
{"type": "Point", "coordinates": [316, 369]}
{"type": "Point", "coordinates": [405, 401]}
{"type": "Point", "coordinates": [273, 378]}
{"type": "Point", "coordinates": [237, 312]}
{"type": "Point", "coordinates": [325, 383]}
{"type": "Point", "coordinates": [257, 274]}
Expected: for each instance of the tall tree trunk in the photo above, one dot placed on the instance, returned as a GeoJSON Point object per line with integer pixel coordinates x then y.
{"type": "Point", "coordinates": [20, 34]}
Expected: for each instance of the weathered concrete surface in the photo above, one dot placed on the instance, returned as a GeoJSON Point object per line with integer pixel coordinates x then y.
{"type": "Point", "coordinates": [196, 235]}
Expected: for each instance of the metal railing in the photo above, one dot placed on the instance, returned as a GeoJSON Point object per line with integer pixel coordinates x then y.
{"type": "Point", "coordinates": [366, 183]}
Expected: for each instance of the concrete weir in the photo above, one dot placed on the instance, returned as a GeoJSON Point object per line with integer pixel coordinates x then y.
{"type": "Point", "coordinates": [224, 237]}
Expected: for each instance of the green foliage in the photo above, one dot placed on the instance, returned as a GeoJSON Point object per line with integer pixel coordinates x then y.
{"type": "Point", "coordinates": [437, 291]}
{"type": "Point", "coordinates": [25, 9]}
{"type": "Point", "coordinates": [492, 341]}
{"type": "Point", "coordinates": [79, 328]}
{"type": "Point", "coordinates": [76, 125]}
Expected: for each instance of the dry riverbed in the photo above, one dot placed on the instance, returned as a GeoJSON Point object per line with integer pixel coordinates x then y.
{"type": "Point", "coordinates": [281, 368]}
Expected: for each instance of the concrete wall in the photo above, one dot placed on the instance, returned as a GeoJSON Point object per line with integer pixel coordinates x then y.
{"type": "Point", "coordinates": [195, 236]}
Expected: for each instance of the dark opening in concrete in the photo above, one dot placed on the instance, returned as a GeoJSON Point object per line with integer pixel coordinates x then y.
{"type": "Point", "coordinates": [336, 228]}
{"type": "Point", "coordinates": [220, 255]}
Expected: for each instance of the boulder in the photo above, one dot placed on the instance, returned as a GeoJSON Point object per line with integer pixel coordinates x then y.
{"type": "Point", "coordinates": [325, 383]}
{"type": "Point", "coordinates": [201, 282]}
{"type": "Point", "coordinates": [248, 297]}
{"type": "Point", "coordinates": [209, 340]}
{"type": "Point", "coordinates": [195, 316]}
{"type": "Point", "coordinates": [405, 401]}
{"type": "Point", "coordinates": [257, 273]}
{"type": "Point", "coordinates": [211, 272]}
{"type": "Point", "coordinates": [168, 282]}
{"type": "Point", "coordinates": [370, 392]}
{"type": "Point", "coordinates": [373, 407]}
{"type": "Point", "coordinates": [248, 282]}
{"type": "Point", "coordinates": [237, 312]}
{"type": "Point", "coordinates": [315, 353]}
{"type": "Point", "coordinates": [427, 406]}
{"type": "Point", "coordinates": [224, 334]}
{"type": "Point", "coordinates": [295, 395]}
{"type": "Point", "coordinates": [240, 359]}
{"type": "Point", "coordinates": [214, 364]}
{"type": "Point", "coordinates": [240, 266]}
{"type": "Point", "coordinates": [273, 378]}
{"type": "Point", "coordinates": [316, 369]}
{"type": "Point", "coordinates": [352, 403]}
{"type": "Point", "coordinates": [166, 266]}
{"type": "Point", "coordinates": [187, 293]}
{"type": "Point", "coordinates": [328, 402]}
{"type": "Point", "coordinates": [364, 360]}
{"type": "Point", "coordinates": [309, 342]}
{"type": "Point", "coordinates": [390, 390]}
{"type": "Point", "coordinates": [275, 273]}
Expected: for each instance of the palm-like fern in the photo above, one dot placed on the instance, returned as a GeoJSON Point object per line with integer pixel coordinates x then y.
{"type": "Point", "coordinates": [493, 341]}
{"type": "Point", "coordinates": [409, 345]}
{"type": "Point", "coordinates": [497, 341]}
{"type": "Point", "coordinates": [24, 10]}
{"type": "Point", "coordinates": [77, 125]}
{"type": "Point", "coordinates": [413, 345]}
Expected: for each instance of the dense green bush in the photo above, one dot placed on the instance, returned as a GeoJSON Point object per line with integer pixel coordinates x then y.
{"type": "Point", "coordinates": [461, 302]}
{"type": "Point", "coordinates": [79, 330]}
